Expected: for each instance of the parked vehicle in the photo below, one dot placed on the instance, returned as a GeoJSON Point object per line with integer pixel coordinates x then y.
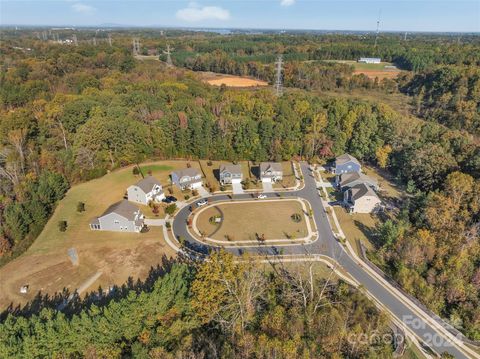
{"type": "Point", "coordinates": [169, 199]}
{"type": "Point", "coordinates": [262, 196]}
{"type": "Point", "coordinates": [201, 203]}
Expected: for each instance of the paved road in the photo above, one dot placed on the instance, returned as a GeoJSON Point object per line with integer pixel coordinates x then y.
{"type": "Point", "coordinates": [328, 245]}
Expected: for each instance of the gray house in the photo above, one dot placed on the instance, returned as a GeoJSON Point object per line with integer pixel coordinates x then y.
{"type": "Point", "coordinates": [271, 171]}
{"type": "Point", "coordinates": [188, 178]}
{"type": "Point", "coordinates": [361, 199]}
{"type": "Point", "coordinates": [346, 164]}
{"type": "Point", "coordinates": [348, 180]}
{"type": "Point", "coordinates": [146, 190]}
{"type": "Point", "coordinates": [230, 174]}
{"type": "Point", "coordinates": [122, 216]}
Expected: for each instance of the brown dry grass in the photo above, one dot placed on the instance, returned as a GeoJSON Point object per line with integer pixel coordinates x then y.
{"type": "Point", "coordinates": [242, 221]}
{"type": "Point", "coordinates": [381, 74]}
{"type": "Point", "coordinates": [46, 266]}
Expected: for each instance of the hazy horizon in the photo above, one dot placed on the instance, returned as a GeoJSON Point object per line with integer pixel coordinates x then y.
{"type": "Point", "coordinates": [307, 15]}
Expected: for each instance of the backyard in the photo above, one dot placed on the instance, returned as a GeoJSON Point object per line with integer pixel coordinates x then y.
{"type": "Point", "coordinates": [253, 220]}
{"type": "Point", "coordinates": [46, 267]}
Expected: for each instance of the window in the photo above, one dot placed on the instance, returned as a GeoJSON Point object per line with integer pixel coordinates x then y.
{"type": "Point", "coordinates": [116, 222]}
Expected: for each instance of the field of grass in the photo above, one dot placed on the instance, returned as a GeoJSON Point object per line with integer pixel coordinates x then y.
{"type": "Point", "coordinates": [246, 221]}
{"type": "Point", "coordinates": [231, 81]}
{"type": "Point", "coordinates": [46, 266]}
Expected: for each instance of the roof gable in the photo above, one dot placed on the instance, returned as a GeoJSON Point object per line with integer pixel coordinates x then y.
{"type": "Point", "coordinates": [345, 158]}
{"type": "Point", "coordinates": [123, 208]}
{"type": "Point", "coordinates": [147, 184]}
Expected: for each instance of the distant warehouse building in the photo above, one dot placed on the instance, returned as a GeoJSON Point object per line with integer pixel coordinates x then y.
{"type": "Point", "coordinates": [370, 60]}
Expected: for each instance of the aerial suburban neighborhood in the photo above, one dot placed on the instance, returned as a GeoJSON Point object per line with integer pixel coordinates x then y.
{"type": "Point", "coordinates": [240, 179]}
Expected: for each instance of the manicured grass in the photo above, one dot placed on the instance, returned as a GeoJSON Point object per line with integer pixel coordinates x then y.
{"type": "Point", "coordinates": [246, 221]}
{"type": "Point", "coordinates": [388, 188]}
{"type": "Point", "coordinates": [356, 226]}
{"type": "Point", "coordinates": [46, 266]}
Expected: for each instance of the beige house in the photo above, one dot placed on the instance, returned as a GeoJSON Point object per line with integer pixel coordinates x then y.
{"type": "Point", "coordinates": [361, 198]}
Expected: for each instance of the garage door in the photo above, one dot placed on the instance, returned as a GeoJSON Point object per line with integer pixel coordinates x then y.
{"type": "Point", "coordinates": [236, 180]}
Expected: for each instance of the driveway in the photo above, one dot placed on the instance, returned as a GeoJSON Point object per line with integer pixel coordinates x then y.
{"type": "Point", "coordinates": [328, 245]}
{"type": "Point", "coordinates": [267, 186]}
{"type": "Point", "coordinates": [237, 188]}
{"type": "Point", "coordinates": [203, 192]}
{"type": "Point", "coordinates": [154, 222]}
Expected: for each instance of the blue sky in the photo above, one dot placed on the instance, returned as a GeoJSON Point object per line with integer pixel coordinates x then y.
{"type": "Point", "coordinates": [401, 15]}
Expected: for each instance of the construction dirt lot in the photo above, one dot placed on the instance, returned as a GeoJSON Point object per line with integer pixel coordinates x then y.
{"type": "Point", "coordinates": [231, 81]}
{"type": "Point", "coordinates": [250, 221]}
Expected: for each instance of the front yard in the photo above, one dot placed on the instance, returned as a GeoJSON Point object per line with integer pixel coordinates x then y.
{"type": "Point", "coordinates": [253, 220]}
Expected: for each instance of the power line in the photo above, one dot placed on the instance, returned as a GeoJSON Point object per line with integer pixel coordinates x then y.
{"type": "Point", "coordinates": [168, 52]}
{"type": "Point", "coordinates": [278, 77]}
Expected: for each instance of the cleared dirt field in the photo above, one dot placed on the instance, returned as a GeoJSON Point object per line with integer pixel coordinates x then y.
{"type": "Point", "coordinates": [248, 221]}
{"type": "Point", "coordinates": [46, 266]}
{"type": "Point", "coordinates": [231, 81]}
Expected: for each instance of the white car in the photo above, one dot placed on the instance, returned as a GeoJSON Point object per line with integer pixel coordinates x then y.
{"type": "Point", "coordinates": [202, 203]}
{"type": "Point", "coordinates": [262, 196]}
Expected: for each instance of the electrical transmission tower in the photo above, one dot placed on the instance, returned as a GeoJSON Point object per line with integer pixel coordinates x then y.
{"type": "Point", "coordinates": [278, 77]}
{"type": "Point", "coordinates": [405, 36]}
{"type": "Point", "coordinates": [168, 52]}
{"type": "Point", "coordinates": [378, 27]}
{"type": "Point", "coordinates": [94, 41]}
{"type": "Point", "coordinates": [136, 46]}
{"type": "Point", "coordinates": [75, 41]}
{"type": "Point", "coordinates": [110, 39]}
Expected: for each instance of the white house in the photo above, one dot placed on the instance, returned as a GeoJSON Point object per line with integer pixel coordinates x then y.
{"type": "Point", "coordinates": [370, 60]}
{"type": "Point", "coordinates": [188, 178]}
{"type": "Point", "coordinates": [230, 174]}
{"type": "Point", "coordinates": [361, 198]}
{"type": "Point", "coordinates": [271, 171]}
{"type": "Point", "coordinates": [146, 190]}
{"type": "Point", "coordinates": [122, 216]}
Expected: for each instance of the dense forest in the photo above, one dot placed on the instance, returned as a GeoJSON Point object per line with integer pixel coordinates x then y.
{"type": "Point", "coordinates": [70, 114]}
{"type": "Point", "coordinates": [219, 309]}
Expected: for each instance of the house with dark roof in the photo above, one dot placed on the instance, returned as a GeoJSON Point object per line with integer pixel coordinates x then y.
{"type": "Point", "coordinates": [229, 174]}
{"type": "Point", "coordinates": [348, 180]}
{"type": "Point", "coordinates": [361, 198]}
{"type": "Point", "coordinates": [271, 171]}
{"type": "Point", "coordinates": [146, 190]}
{"type": "Point", "coordinates": [187, 178]}
{"type": "Point", "coordinates": [122, 216]}
{"type": "Point", "coordinates": [346, 164]}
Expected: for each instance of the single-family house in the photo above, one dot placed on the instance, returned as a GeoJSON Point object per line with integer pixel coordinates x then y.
{"type": "Point", "coordinates": [347, 180]}
{"type": "Point", "coordinates": [122, 216]}
{"type": "Point", "coordinates": [361, 198]}
{"type": "Point", "coordinates": [271, 171]}
{"type": "Point", "coordinates": [346, 164]}
{"type": "Point", "coordinates": [146, 190]}
{"type": "Point", "coordinates": [188, 178]}
{"type": "Point", "coordinates": [229, 174]}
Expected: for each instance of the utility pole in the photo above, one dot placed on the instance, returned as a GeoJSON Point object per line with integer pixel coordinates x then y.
{"type": "Point", "coordinates": [378, 28]}
{"type": "Point", "coordinates": [278, 77]}
{"type": "Point", "coordinates": [75, 41]}
{"type": "Point", "coordinates": [168, 52]}
{"type": "Point", "coordinates": [110, 39]}
{"type": "Point", "coordinates": [405, 36]}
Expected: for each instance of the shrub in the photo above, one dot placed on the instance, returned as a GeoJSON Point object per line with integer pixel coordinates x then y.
{"type": "Point", "coordinates": [209, 163]}
{"type": "Point", "coordinates": [296, 217]}
{"type": "Point", "coordinates": [222, 188]}
{"type": "Point", "coordinates": [155, 209]}
{"type": "Point", "coordinates": [135, 171]}
{"type": "Point", "coordinates": [168, 225]}
{"type": "Point", "coordinates": [187, 196]}
{"type": "Point", "coordinates": [194, 193]}
{"type": "Point", "coordinates": [80, 207]}
{"type": "Point", "coordinates": [62, 226]}
{"type": "Point", "coordinates": [170, 209]}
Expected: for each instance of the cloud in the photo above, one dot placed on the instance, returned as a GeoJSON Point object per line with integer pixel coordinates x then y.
{"type": "Point", "coordinates": [83, 8]}
{"type": "Point", "coordinates": [287, 2]}
{"type": "Point", "coordinates": [194, 13]}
